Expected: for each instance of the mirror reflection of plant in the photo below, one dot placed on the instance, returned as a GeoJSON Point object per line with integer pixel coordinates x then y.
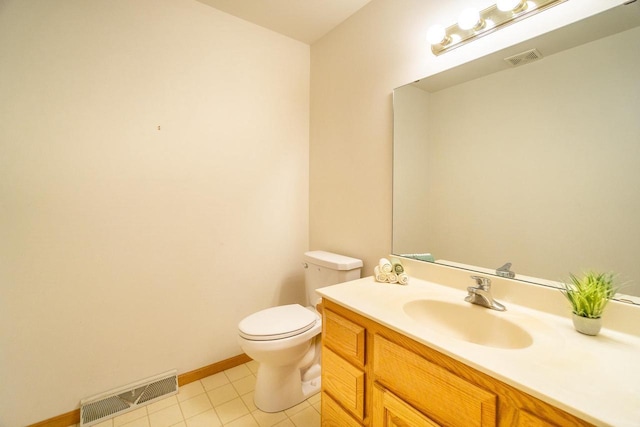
{"type": "Point", "coordinates": [589, 294]}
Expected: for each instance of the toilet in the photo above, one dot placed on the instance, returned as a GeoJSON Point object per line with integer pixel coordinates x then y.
{"type": "Point", "coordinates": [285, 340]}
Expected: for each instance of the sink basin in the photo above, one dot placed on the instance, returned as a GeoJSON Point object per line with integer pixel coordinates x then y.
{"type": "Point", "coordinates": [469, 322]}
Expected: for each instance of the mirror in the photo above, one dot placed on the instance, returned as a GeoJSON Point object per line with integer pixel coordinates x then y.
{"type": "Point", "coordinates": [535, 164]}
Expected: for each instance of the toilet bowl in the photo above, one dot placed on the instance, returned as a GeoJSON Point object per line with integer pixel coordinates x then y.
{"type": "Point", "coordinates": [284, 353]}
{"type": "Point", "coordinates": [285, 340]}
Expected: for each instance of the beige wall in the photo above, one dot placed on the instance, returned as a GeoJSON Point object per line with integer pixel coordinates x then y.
{"type": "Point", "coordinates": [411, 214]}
{"type": "Point", "coordinates": [125, 250]}
{"type": "Point", "coordinates": [354, 70]}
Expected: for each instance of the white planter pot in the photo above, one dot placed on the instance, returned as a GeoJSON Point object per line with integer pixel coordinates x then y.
{"type": "Point", "coordinates": [586, 325]}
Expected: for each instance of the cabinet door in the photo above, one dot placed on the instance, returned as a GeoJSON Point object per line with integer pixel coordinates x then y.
{"type": "Point", "coordinates": [334, 416]}
{"type": "Point", "coordinates": [391, 411]}
{"type": "Point", "coordinates": [344, 336]}
{"type": "Point", "coordinates": [434, 390]}
{"type": "Point", "coordinates": [344, 382]}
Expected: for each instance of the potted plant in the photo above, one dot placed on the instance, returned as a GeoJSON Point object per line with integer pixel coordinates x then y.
{"type": "Point", "coordinates": [588, 296]}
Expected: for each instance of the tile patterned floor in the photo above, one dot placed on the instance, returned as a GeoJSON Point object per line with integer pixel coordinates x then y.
{"type": "Point", "coordinates": [221, 400]}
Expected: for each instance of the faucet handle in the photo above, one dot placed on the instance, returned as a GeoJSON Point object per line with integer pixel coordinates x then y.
{"type": "Point", "coordinates": [482, 282]}
{"type": "Point", "coordinates": [505, 271]}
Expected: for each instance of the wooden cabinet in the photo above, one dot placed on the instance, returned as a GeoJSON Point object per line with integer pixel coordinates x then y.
{"type": "Point", "coordinates": [346, 337]}
{"type": "Point", "coordinates": [344, 382]}
{"type": "Point", "coordinates": [525, 419]}
{"type": "Point", "coordinates": [431, 388]}
{"type": "Point", "coordinates": [391, 411]}
{"type": "Point", "coordinates": [333, 415]}
{"type": "Point", "coordinates": [374, 376]}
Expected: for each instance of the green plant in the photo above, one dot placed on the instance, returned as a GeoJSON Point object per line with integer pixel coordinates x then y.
{"type": "Point", "coordinates": [590, 293]}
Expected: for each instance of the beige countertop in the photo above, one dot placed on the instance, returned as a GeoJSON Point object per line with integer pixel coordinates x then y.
{"type": "Point", "coordinates": [594, 378]}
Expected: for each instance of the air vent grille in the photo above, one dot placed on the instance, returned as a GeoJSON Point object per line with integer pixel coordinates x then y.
{"type": "Point", "coordinates": [98, 411]}
{"type": "Point", "coordinates": [124, 399]}
{"type": "Point", "coordinates": [524, 57]}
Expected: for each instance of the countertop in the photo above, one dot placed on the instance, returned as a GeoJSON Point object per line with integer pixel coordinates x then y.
{"type": "Point", "coordinates": [594, 378]}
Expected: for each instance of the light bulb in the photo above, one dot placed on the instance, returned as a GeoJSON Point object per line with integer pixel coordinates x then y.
{"type": "Point", "coordinates": [436, 34]}
{"type": "Point", "coordinates": [469, 18]}
{"type": "Point", "coordinates": [511, 5]}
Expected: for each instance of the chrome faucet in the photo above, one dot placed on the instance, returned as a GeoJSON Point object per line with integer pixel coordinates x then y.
{"type": "Point", "coordinates": [481, 294]}
{"type": "Point", "coordinates": [505, 271]}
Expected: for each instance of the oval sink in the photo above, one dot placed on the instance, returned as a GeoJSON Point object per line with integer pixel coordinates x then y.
{"type": "Point", "coordinates": [469, 322]}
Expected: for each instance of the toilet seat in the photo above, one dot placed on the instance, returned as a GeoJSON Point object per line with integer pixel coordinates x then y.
{"type": "Point", "coordinates": [277, 323]}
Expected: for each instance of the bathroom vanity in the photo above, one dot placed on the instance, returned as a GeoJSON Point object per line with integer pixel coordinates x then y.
{"type": "Point", "coordinates": [419, 355]}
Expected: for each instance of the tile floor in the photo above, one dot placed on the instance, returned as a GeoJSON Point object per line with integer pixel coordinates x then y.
{"type": "Point", "coordinates": [221, 400]}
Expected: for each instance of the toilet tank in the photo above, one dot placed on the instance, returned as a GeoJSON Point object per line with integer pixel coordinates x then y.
{"type": "Point", "coordinates": [326, 268]}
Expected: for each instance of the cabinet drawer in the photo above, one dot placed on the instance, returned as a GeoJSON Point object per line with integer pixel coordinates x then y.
{"type": "Point", "coordinates": [527, 419]}
{"type": "Point", "coordinates": [334, 416]}
{"type": "Point", "coordinates": [344, 337]}
{"type": "Point", "coordinates": [445, 397]}
{"type": "Point", "coordinates": [391, 411]}
{"type": "Point", "coordinates": [344, 382]}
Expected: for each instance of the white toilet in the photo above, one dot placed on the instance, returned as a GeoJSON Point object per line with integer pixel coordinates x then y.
{"type": "Point", "coordinates": [285, 340]}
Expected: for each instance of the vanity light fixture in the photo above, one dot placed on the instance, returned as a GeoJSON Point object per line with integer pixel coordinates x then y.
{"type": "Point", "coordinates": [470, 19]}
{"type": "Point", "coordinates": [438, 34]}
{"type": "Point", "coordinates": [511, 5]}
{"type": "Point", "coordinates": [473, 23]}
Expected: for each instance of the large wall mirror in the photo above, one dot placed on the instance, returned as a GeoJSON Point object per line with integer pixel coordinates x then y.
{"type": "Point", "coordinates": [536, 164]}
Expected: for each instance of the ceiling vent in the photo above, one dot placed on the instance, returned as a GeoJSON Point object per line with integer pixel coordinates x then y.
{"type": "Point", "coordinates": [523, 58]}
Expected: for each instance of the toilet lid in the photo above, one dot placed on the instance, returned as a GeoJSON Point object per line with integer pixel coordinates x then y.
{"type": "Point", "coordinates": [277, 322]}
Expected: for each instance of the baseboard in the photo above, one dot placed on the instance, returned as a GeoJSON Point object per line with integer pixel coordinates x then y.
{"type": "Point", "coordinates": [73, 417]}
{"type": "Point", "coordinates": [64, 420]}
{"type": "Point", "coordinates": [198, 374]}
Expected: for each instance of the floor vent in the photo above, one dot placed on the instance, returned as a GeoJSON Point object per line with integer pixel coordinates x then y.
{"type": "Point", "coordinates": [101, 407]}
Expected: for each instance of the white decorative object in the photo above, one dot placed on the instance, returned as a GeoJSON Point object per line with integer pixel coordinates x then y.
{"type": "Point", "coordinates": [587, 325]}
{"type": "Point", "coordinates": [388, 272]}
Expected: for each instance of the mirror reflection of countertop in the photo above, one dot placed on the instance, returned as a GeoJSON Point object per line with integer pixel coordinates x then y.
{"type": "Point", "coordinates": [594, 378]}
